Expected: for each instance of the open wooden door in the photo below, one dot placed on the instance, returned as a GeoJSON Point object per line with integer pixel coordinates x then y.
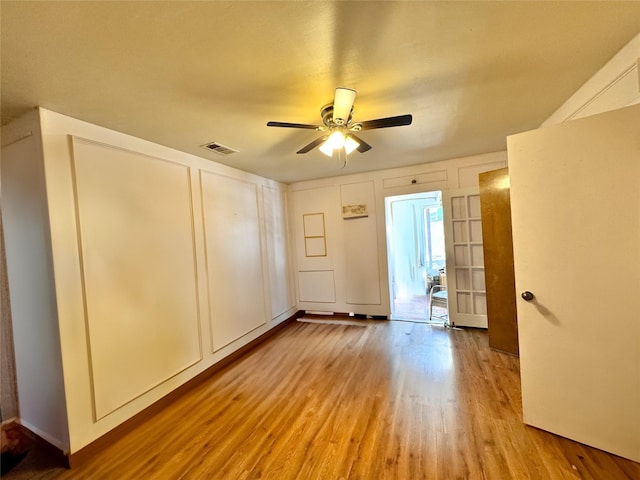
{"type": "Point", "coordinates": [495, 206]}
{"type": "Point", "coordinates": [575, 203]}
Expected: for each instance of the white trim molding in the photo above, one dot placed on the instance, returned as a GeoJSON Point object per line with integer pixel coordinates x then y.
{"type": "Point", "coordinates": [615, 85]}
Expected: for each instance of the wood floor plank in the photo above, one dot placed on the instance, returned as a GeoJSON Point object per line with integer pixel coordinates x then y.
{"type": "Point", "coordinates": [392, 400]}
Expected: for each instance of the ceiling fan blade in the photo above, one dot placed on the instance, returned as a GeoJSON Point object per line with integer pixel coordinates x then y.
{"type": "Point", "coordinates": [342, 105]}
{"type": "Point", "coordinates": [292, 125]}
{"type": "Point", "coordinates": [398, 121]}
{"type": "Point", "coordinates": [312, 145]}
{"type": "Point", "coordinates": [363, 147]}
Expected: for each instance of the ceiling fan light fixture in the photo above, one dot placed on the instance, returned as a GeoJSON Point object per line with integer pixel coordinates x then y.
{"type": "Point", "coordinates": [337, 126]}
{"type": "Point", "coordinates": [350, 145]}
{"type": "Point", "coordinates": [326, 148]}
{"type": "Point", "coordinates": [337, 141]}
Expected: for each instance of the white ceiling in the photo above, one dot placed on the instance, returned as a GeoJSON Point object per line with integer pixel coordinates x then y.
{"type": "Point", "coordinates": [186, 73]}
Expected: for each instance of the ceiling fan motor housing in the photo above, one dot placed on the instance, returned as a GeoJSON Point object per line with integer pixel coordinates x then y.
{"type": "Point", "coordinates": [327, 117]}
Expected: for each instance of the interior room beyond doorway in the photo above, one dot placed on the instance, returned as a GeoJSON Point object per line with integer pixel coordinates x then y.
{"type": "Point", "coordinates": [415, 253]}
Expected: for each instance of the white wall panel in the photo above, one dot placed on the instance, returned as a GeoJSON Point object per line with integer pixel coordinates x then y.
{"type": "Point", "coordinates": [316, 212]}
{"type": "Point", "coordinates": [104, 239]}
{"type": "Point", "coordinates": [275, 220]}
{"type": "Point", "coordinates": [318, 286]}
{"type": "Point", "coordinates": [318, 238]}
{"type": "Point", "coordinates": [361, 246]}
{"type": "Point", "coordinates": [138, 263]}
{"type": "Point", "coordinates": [30, 271]}
{"type": "Point", "coordinates": [234, 257]}
{"type": "Point", "coordinates": [356, 248]}
{"type": "Point", "coordinates": [426, 180]}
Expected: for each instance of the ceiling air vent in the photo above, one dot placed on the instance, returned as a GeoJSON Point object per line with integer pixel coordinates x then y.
{"type": "Point", "coordinates": [219, 148]}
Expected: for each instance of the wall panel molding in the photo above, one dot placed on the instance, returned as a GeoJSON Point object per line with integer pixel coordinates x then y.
{"type": "Point", "coordinates": [424, 178]}
{"type": "Point", "coordinates": [274, 203]}
{"type": "Point", "coordinates": [317, 286]}
{"type": "Point", "coordinates": [235, 257]}
{"type": "Point", "coordinates": [138, 270]}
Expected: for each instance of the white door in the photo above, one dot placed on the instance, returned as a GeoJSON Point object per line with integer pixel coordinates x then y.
{"type": "Point", "coordinates": [465, 258]}
{"type": "Point", "coordinates": [575, 200]}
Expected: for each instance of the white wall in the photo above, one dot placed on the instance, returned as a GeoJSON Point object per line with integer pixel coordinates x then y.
{"type": "Point", "coordinates": [41, 400]}
{"type": "Point", "coordinates": [353, 276]}
{"type": "Point", "coordinates": [282, 294]}
{"type": "Point", "coordinates": [163, 264]}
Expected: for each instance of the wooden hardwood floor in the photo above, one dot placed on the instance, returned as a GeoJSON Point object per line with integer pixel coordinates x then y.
{"type": "Point", "coordinates": [385, 400]}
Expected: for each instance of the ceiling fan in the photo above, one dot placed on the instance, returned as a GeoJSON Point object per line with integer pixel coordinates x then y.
{"type": "Point", "coordinates": [338, 126]}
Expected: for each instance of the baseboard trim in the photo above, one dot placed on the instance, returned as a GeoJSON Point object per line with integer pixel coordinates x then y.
{"type": "Point", "coordinates": [77, 458]}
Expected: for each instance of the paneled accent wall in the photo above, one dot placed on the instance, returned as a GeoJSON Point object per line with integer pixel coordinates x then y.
{"type": "Point", "coordinates": [132, 269]}
{"type": "Point", "coordinates": [234, 257]}
{"type": "Point", "coordinates": [361, 272]}
{"type": "Point", "coordinates": [317, 286]}
{"type": "Point", "coordinates": [421, 178]}
{"type": "Point", "coordinates": [357, 247]}
{"type": "Point", "coordinates": [138, 261]}
{"type": "Point", "coordinates": [317, 236]}
{"type": "Point", "coordinates": [274, 202]}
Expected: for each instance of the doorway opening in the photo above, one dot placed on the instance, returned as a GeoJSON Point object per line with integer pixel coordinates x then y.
{"type": "Point", "coordinates": [415, 253]}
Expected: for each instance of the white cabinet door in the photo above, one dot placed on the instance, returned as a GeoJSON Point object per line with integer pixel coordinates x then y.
{"type": "Point", "coordinates": [465, 257]}
{"type": "Point", "coordinates": [575, 200]}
